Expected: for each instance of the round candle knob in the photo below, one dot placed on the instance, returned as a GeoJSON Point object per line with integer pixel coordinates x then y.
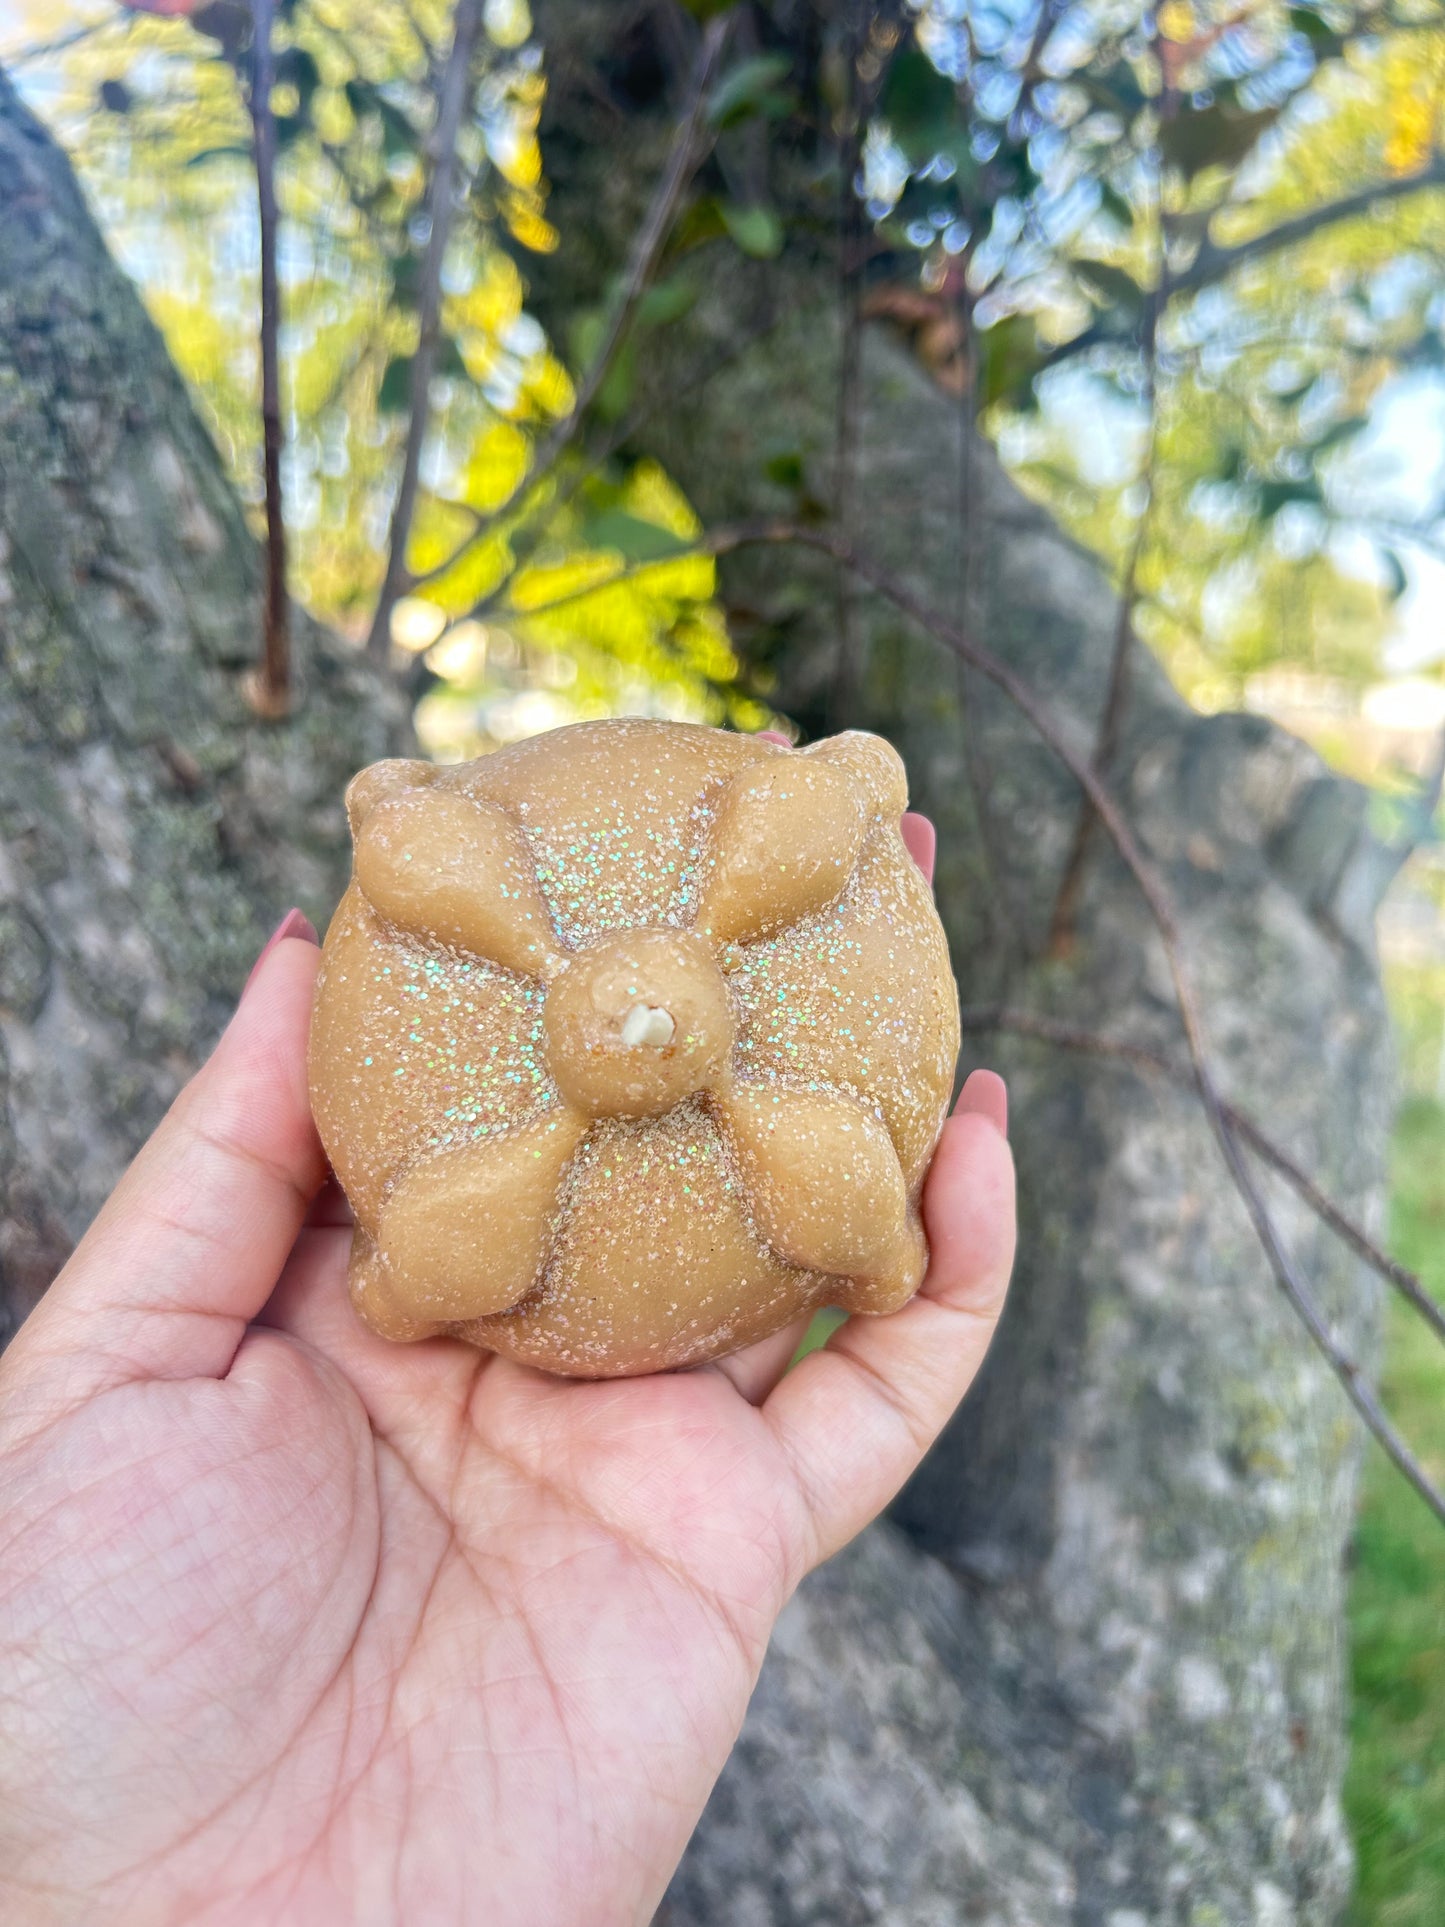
{"type": "Point", "coordinates": [636, 1023]}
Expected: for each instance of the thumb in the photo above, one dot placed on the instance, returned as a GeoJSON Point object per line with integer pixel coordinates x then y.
{"type": "Point", "coordinates": [191, 1241]}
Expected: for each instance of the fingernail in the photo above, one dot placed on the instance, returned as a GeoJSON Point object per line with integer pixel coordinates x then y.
{"type": "Point", "coordinates": [774, 736]}
{"type": "Point", "coordinates": [294, 924]}
{"type": "Point", "coordinates": [920, 839]}
{"type": "Point", "coordinates": [984, 1095]}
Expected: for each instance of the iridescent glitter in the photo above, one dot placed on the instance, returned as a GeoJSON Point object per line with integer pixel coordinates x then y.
{"type": "Point", "coordinates": [595, 1192]}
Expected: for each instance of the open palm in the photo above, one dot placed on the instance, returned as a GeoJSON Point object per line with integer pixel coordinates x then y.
{"type": "Point", "coordinates": [296, 1625]}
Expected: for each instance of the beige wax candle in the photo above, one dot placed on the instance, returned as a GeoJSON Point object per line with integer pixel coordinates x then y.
{"type": "Point", "coordinates": [632, 1042]}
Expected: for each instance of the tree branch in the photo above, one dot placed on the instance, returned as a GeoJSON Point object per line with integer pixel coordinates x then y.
{"type": "Point", "coordinates": [653, 233]}
{"type": "Point", "coordinates": [1023, 1023]}
{"type": "Point", "coordinates": [456, 85]}
{"type": "Point", "coordinates": [1156, 895]}
{"type": "Point", "coordinates": [1116, 698]}
{"type": "Point", "coordinates": [849, 674]}
{"type": "Point", "coordinates": [270, 687]}
{"type": "Point", "coordinates": [1213, 261]}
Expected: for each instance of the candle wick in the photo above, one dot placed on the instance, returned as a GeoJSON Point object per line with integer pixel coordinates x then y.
{"type": "Point", "coordinates": [646, 1024]}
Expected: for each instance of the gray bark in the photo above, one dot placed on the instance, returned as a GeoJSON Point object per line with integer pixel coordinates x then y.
{"type": "Point", "coordinates": [1091, 1669]}
{"type": "Point", "coordinates": [151, 831]}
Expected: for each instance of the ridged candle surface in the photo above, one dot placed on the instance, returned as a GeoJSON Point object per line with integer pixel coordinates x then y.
{"type": "Point", "coordinates": [632, 1043]}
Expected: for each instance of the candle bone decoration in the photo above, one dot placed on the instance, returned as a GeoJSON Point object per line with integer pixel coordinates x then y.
{"type": "Point", "coordinates": [632, 1043]}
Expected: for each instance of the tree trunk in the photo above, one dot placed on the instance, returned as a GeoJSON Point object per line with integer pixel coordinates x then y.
{"type": "Point", "coordinates": [1091, 1669]}
{"type": "Point", "coordinates": [151, 830]}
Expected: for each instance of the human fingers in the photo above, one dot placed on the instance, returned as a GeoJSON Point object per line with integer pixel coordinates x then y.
{"type": "Point", "coordinates": [756, 1370]}
{"type": "Point", "coordinates": [920, 839]}
{"type": "Point", "coordinates": [191, 1241]}
{"type": "Point", "coordinates": [855, 1418]}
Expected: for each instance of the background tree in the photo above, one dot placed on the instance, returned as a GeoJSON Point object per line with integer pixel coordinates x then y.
{"type": "Point", "coordinates": [790, 265]}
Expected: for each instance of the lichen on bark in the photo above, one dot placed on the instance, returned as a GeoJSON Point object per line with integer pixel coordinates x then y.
{"type": "Point", "coordinates": [150, 828]}
{"type": "Point", "coordinates": [1090, 1671]}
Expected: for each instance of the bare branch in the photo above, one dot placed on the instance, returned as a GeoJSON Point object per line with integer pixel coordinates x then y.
{"type": "Point", "coordinates": [1213, 262]}
{"type": "Point", "coordinates": [270, 688]}
{"type": "Point", "coordinates": [1116, 698]}
{"type": "Point", "coordinates": [646, 248]}
{"type": "Point", "coordinates": [455, 91]}
{"type": "Point", "coordinates": [1048, 1030]}
{"type": "Point", "coordinates": [1156, 895]}
{"type": "Point", "coordinates": [849, 675]}
{"type": "Point", "coordinates": [47, 49]}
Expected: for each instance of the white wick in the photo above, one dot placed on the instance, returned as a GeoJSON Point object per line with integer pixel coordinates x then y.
{"type": "Point", "coordinates": [644, 1024]}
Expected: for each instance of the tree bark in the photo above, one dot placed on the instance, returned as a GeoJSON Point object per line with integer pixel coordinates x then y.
{"type": "Point", "coordinates": [1090, 1671]}
{"type": "Point", "coordinates": [151, 829]}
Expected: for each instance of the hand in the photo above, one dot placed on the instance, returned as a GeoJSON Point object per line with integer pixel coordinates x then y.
{"type": "Point", "coordinates": [299, 1626]}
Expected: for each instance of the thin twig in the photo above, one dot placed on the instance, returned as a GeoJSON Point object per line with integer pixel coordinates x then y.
{"type": "Point", "coordinates": [1156, 895]}
{"type": "Point", "coordinates": [646, 248]}
{"type": "Point", "coordinates": [1048, 1030]}
{"type": "Point", "coordinates": [1215, 261]}
{"type": "Point", "coordinates": [847, 682]}
{"type": "Point", "coordinates": [1064, 922]}
{"type": "Point", "coordinates": [455, 90]}
{"type": "Point", "coordinates": [47, 49]}
{"type": "Point", "coordinates": [526, 545]}
{"type": "Point", "coordinates": [270, 688]}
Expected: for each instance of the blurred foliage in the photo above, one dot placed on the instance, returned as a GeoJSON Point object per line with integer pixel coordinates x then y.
{"type": "Point", "coordinates": [1070, 209]}
{"type": "Point", "coordinates": [1066, 199]}
{"type": "Point", "coordinates": [152, 109]}
{"type": "Point", "coordinates": [1395, 1790]}
{"type": "Point", "coordinates": [1084, 188]}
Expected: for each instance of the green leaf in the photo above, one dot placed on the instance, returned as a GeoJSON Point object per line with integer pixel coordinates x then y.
{"type": "Point", "coordinates": [706, 9]}
{"type": "Point", "coordinates": [398, 136]}
{"type": "Point", "coordinates": [405, 279]}
{"type": "Point", "coordinates": [757, 231]}
{"type": "Point", "coordinates": [1273, 496]}
{"type": "Point", "coordinates": [1315, 30]}
{"type": "Point", "coordinates": [668, 301]}
{"type": "Point", "coordinates": [632, 538]}
{"type": "Point", "coordinates": [1112, 202]}
{"type": "Point", "coordinates": [919, 104]}
{"type": "Point", "coordinates": [1110, 287]}
{"type": "Point", "coordinates": [614, 397]}
{"type": "Point", "coordinates": [749, 88]}
{"type": "Point", "coordinates": [228, 21]}
{"type": "Point", "coordinates": [1396, 580]}
{"type": "Point", "coordinates": [1116, 90]}
{"type": "Point", "coordinates": [785, 468]}
{"type": "Point", "coordinates": [585, 338]}
{"type": "Point", "coordinates": [394, 395]}
{"type": "Point", "coordinates": [1338, 432]}
{"type": "Point", "coordinates": [296, 67]}
{"type": "Point", "coordinates": [700, 221]}
{"type": "Point", "coordinates": [1009, 356]}
{"type": "Point", "coordinates": [1217, 136]}
{"type": "Point", "coordinates": [233, 152]}
{"type": "Point", "coordinates": [449, 361]}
